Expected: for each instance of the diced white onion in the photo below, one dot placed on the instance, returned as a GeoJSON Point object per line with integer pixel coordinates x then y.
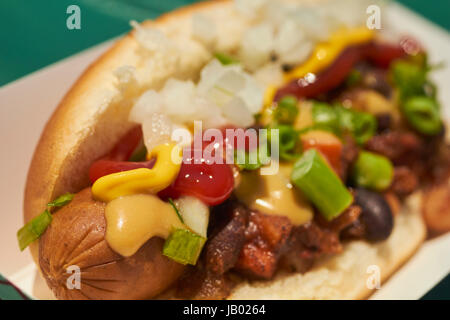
{"type": "Point", "coordinates": [237, 113]}
{"type": "Point", "coordinates": [269, 74]}
{"type": "Point", "coordinates": [157, 130]}
{"type": "Point", "coordinates": [315, 25]}
{"type": "Point", "coordinates": [179, 99]}
{"type": "Point", "coordinates": [252, 94]}
{"type": "Point", "coordinates": [151, 39]}
{"type": "Point", "coordinates": [298, 54]}
{"type": "Point", "coordinates": [195, 214]}
{"type": "Point", "coordinates": [257, 45]}
{"type": "Point", "coordinates": [148, 103]}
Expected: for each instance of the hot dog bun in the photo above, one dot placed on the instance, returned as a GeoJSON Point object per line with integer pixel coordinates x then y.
{"type": "Point", "coordinates": [93, 115]}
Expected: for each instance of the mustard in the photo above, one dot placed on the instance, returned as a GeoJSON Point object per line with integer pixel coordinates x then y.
{"type": "Point", "coordinates": [142, 180]}
{"type": "Point", "coordinates": [325, 53]}
{"type": "Point", "coordinates": [274, 195]}
{"type": "Point", "coordinates": [132, 220]}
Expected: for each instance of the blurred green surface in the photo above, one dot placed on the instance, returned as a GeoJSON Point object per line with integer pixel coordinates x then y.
{"type": "Point", "coordinates": [34, 35]}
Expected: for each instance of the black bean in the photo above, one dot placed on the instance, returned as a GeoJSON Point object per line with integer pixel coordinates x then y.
{"type": "Point", "coordinates": [376, 214]}
{"type": "Point", "coordinates": [384, 121]}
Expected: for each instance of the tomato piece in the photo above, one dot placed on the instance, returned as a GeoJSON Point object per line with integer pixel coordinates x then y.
{"type": "Point", "coordinates": [104, 167]}
{"type": "Point", "coordinates": [212, 183]}
{"type": "Point", "coordinates": [127, 144]}
{"type": "Point", "coordinates": [327, 144]}
{"type": "Point", "coordinates": [115, 160]}
{"type": "Point", "coordinates": [382, 54]}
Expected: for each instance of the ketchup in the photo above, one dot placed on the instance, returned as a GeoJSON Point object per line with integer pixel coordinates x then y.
{"type": "Point", "coordinates": [210, 182]}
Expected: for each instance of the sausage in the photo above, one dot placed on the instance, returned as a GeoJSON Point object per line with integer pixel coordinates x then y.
{"type": "Point", "coordinates": [75, 240]}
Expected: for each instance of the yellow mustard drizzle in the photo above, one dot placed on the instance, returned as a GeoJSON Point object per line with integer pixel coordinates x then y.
{"type": "Point", "coordinates": [142, 180]}
{"type": "Point", "coordinates": [274, 194]}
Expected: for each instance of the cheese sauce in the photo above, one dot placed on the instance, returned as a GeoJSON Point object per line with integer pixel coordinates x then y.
{"type": "Point", "coordinates": [274, 194]}
{"type": "Point", "coordinates": [132, 220]}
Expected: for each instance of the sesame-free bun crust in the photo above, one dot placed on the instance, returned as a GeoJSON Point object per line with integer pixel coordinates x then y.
{"type": "Point", "coordinates": [93, 116]}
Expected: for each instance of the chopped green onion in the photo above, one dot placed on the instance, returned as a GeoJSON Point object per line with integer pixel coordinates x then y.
{"type": "Point", "coordinates": [325, 116]}
{"type": "Point", "coordinates": [372, 171]}
{"type": "Point", "coordinates": [33, 229]}
{"type": "Point", "coordinates": [320, 184]}
{"type": "Point", "coordinates": [289, 145]}
{"type": "Point", "coordinates": [364, 126]}
{"type": "Point", "coordinates": [286, 111]}
{"type": "Point", "coordinates": [36, 227]}
{"type": "Point", "coordinates": [176, 209]}
{"type": "Point", "coordinates": [409, 77]}
{"type": "Point", "coordinates": [361, 125]}
{"type": "Point", "coordinates": [184, 246]}
{"type": "Point", "coordinates": [422, 114]}
{"type": "Point", "coordinates": [225, 59]}
{"type": "Point", "coordinates": [61, 200]}
{"type": "Point", "coordinates": [252, 160]}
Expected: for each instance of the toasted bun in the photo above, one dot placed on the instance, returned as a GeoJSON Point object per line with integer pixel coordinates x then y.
{"type": "Point", "coordinates": [94, 115]}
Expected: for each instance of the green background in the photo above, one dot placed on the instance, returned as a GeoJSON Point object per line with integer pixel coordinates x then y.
{"type": "Point", "coordinates": [34, 35]}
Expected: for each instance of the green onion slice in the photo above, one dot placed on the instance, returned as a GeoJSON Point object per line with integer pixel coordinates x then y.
{"type": "Point", "coordinates": [362, 125]}
{"type": "Point", "coordinates": [326, 116]}
{"type": "Point", "coordinates": [225, 59]}
{"type": "Point", "coordinates": [320, 184]}
{"type": "Point", "coordinates": [184, 246]}
{"type": "Point", "coordinates": [36, 227]}
{"type": "Point", "coordinates": [289, 145]}
{"type": "Point", "coordinates": [372, 171]}
{"type": "Point", "coordinates": [61, 200]}
{"type": "Point", "coordinates": [286, 110]}
{"type": "Point", "coordinates": [33, 229]}
{"type": "Point", "coordinates": [423, 115]}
